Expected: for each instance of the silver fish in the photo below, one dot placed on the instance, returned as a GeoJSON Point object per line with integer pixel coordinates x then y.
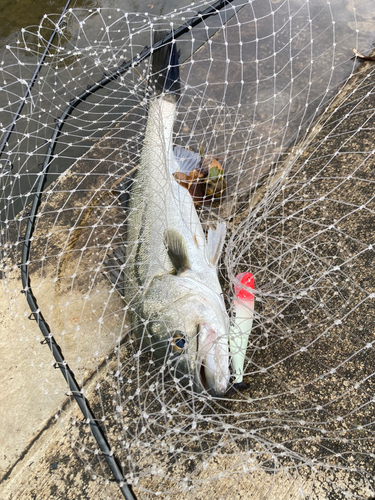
{"type": "Point", "coordinates": [170, 268]}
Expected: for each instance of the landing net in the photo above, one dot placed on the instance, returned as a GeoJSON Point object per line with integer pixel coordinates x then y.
{"type": "Point", "coordinates": [270, 91]}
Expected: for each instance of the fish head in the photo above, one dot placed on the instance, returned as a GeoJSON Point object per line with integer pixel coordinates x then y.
{"type": "Point", "coordinates": [189, 333]}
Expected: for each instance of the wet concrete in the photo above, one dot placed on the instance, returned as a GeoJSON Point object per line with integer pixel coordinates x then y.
{"type": "Point", "coordinates": [80, 221]}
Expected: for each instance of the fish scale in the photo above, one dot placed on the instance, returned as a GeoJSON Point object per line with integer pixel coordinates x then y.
{"type": "Point", "coordinates": [158, 203]}
{"type": "Point", "coordinates": [170, 275]}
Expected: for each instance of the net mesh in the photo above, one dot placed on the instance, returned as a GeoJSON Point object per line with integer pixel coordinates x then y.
{"type": "Point", "coordinates": [268, 89]}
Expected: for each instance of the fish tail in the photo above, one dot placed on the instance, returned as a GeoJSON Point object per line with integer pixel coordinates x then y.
{"type": "Point", "coordinates": [165, 67]}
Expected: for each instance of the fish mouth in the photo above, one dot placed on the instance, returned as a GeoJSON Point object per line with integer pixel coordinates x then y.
{"type": "Point", "coordinates": [213, 367]}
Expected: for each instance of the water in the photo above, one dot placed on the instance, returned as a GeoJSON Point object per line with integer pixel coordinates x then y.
{"type": "Point", "coordinates": [16, 15]}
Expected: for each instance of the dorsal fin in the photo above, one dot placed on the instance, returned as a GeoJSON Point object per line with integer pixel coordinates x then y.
{"type": "Point", "coordinates": [176, 249]}
{"type": "Point", "coordinates": [125, 188]}
{"type": "Point", "coordinates": [215, 243]}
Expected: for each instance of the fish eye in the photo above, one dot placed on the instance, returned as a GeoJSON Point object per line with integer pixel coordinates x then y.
{"type": "Point", "coordinates": [178, 342]}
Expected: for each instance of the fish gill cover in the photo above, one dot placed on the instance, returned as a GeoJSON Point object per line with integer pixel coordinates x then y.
{"type": "Point", "coordinates": [269, 92]}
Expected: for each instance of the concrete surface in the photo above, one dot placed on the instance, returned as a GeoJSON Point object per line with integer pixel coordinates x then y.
{"type": "Point", "coordinates": [47, 457]}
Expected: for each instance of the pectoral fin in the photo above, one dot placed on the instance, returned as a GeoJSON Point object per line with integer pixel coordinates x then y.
{"type": "Point", "coordinates": [215, 242]}
{"type": "Point", "coordinates": [176, 249]}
